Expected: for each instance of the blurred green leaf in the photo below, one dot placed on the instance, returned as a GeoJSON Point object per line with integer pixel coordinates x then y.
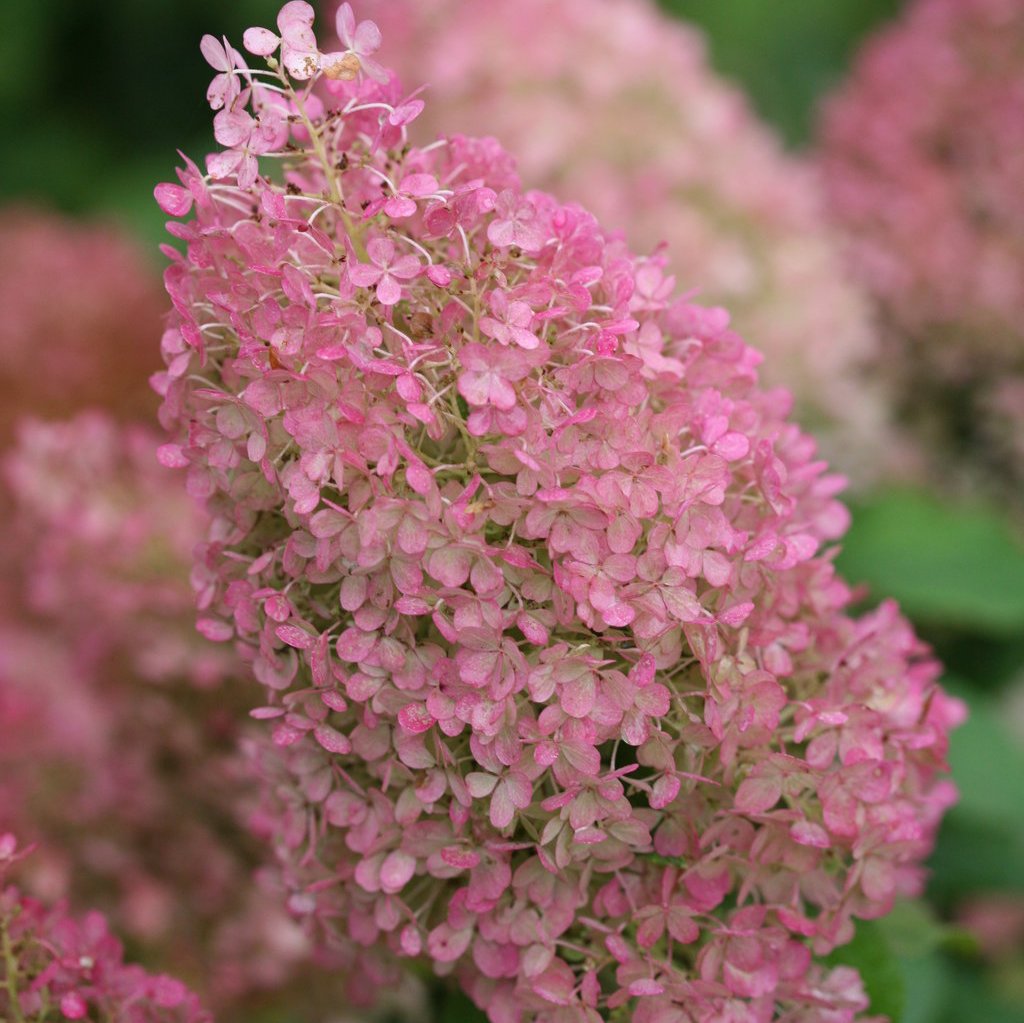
{"type": "Point", "coordinates": [971, 996]}
{"type": "Point", "coordinates": [786, 55]}
{"type": "Point", "coordinates": [871, 954]}
{"type": "Point", "coordinates": [455, 1007]}
{"type": "Point", "coordinates": [913, 930]}
{"type": "Point", "coordinates": [974, 857]}
{"type": "Point", "coordinates": [987, 761]}
{"type": "Point", "coordinates": [947, 564]}
{"type": "Point", "coordinates": [926, 982]}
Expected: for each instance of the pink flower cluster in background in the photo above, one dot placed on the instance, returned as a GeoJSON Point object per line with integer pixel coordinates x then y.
{"type": "Point", "coordinates": [79, 303]}
{"type": "Point", "coordinates": [923, 155]}
{"type": "Point", "coordinates": [536, 576]}
{"type": "Point", "coordinates": [118, 724]}
{"type": "Point", "coordinates": [614, 105]}
{"type": "Point", "coordinates": [56, 966]}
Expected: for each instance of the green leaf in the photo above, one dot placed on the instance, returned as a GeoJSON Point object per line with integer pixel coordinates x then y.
{"type": "Point", "coordinates": [946, 564]}
{"type": "Point", "coordinates": [987, 761]}
{"type": "Point", "coordinates": [871, 954]}
{"type": "Point", "coordinates": [972, 996]}
{"type": "Point", "coordinates": [784, 54]}
{"type": "Point", "coordinates": [912, 930]}
{"type": "Point", "coordinates": [455, 1007]}
{"type": "Point", "coordinates": [971, 857]}
{"type": "Point", "coordinates": [926, 981]}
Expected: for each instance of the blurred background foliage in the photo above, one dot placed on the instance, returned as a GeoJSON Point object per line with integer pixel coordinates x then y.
{"type": "Point", "coordinates": [95, 98]}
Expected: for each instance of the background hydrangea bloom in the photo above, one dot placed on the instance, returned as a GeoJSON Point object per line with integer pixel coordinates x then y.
{"type": "Point", "coordinates": [615, 106]}
{"type": "Point", "coordinates": [79, 301]}
{"type": "Point", "coordinates": [923, 155]}
{"type": "Point", "coordinates": [537, 579]}
{"type": "Point", "coordinates": [56, 966]}
{"type": "Point", "coordinates": [118, 724]}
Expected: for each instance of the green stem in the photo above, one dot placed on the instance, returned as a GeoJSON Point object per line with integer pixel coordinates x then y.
{"type": "Point", "coordinates": [329, 172]}
{"type": "Point", "coordinates": [10, 974]}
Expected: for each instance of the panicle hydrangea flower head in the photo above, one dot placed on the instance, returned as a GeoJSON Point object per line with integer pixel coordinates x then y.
{"type": "Point", "coordinates": [923, 156]}
{"type": "Point", "coordinates": [537, 580]}
{"type": "Point", "coordinates": [614, 105]}
{"type": "Point", "coordinates": [118, 724]}
{"type": "Point", "coordinates": [57, 966]}
{"type": "Point", "coordinates": [78, 301]}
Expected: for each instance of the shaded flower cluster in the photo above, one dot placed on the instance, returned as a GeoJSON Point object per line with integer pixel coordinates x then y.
{"type": "Point", "coordinates": [620, 111]}
{"type": "Point", "coordinates": [118, 724]}
{"type": "Point", "coordinates": [79, 301]}
{"type": "Point", "coordinates": [55, 966]}
{"type": "Point", "coordinates": [535, 575]}
{"type": "Point", "coordinates": [923, 155]}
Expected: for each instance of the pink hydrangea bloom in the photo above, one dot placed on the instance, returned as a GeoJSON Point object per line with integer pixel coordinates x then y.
{"type": "Point", "coordinates": [57, 966]}
{"type": "Point", "coordinates": [77, 303]}
{"type": "Point", "coordinates": [923, 155]}
{"type": "Point", "coordinates": [119, 725]}
{"type": "Point", "coordinates": [563, 690]}
{"type": "Point", "coordinates": [619, 110]}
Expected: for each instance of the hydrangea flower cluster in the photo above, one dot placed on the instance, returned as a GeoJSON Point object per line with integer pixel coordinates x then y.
{"type": "Point", "coordinates": [95, 350]}
{"type": "Point", "coordinates": [621, 112]}
{"type": "Point", "coordinates": [535, 575]}
{"type": "Point", "coordinates": [56, 967]}
{"type": "Point", "coordinates": [118, 724]}
{"type": "Point", "coordinates": [923, 156]}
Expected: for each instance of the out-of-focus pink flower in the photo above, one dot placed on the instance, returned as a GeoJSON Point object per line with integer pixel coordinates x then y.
{"type": "Point", "coordinates": [538, 584]}
{"type": "Point", "coordinates": [119, 724]}
{"type": "Point", "coordinates": [80, 308]}
{"type": "Point", "coordinates": [616, 107]}
{"type": "Point", "coordinates": [923, 155]}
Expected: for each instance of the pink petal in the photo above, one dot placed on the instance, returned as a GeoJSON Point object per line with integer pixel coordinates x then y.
{"type": "Point", "coordinates": [260, 41]}
{"type": "Point", "coordinates": [450, 565]}
{"type": "Point", "coordinates": [480, 784]}
{"type": "Point", "coordinates": [332, 740]}
{"type": "Point", "coordinates": [381, 251]}
{"type": "Point", "coordinates": [439, 275]}
{"type": "Point", "coordinates": [73, 1006]}
{"type": "Point", "coordinates": [555, 984]}
{"type": "Point", "coordinates": [646, 986]}
{"type": "Point", "coordinates": [475, 387]}
{"type": "Point", "coordinates": [171, 456]}
{"type": "Point", "coordinates": [173, 199]}
{"type": "Point", "coordinates": [345, 24]}
{"type": "Point", "coordinates": [215, 54]}
{"type": "Point", "coordinates": [445, 944]}
{"type": "Point", "coordinates": [406, 268]}
{"type": "Point", "coordinates": [367, 38]}
{"type": "Point", "coordinates": [375, 70]}
{"type": "Point", "coordinates": [418, 184]}
{"type": "Point", "coordinates": [455, 856]}
{"type": "Point", "coordinates": [396, 871]}
{"type": "Point", "coordinates": [232, 127]}
{"type": "Point", "coordinates": [295, 13]}
{"type": "Point", "coordinates": [756, 795]}
{"type": "Point", "coordinates": [389, 291]}
{"type": "Point", "coordinates": [415, 718]}
{"type": "Point", "coordinates": [502, 810]}
{"type": "Point", "coordinates": [294, 636]}
{"type": "Point", "coordinates": [399, 207]}
{"type": "Point", "coordinates": [579, 696]}
{"type": "Point", "coordinates": [501, 394]}
{"type": "Point", "coordinates": [301, 64]}
{"type": "Point", "coordinates": [808, 833]}
{"type": "Point", "coordinates": [363, 275]}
